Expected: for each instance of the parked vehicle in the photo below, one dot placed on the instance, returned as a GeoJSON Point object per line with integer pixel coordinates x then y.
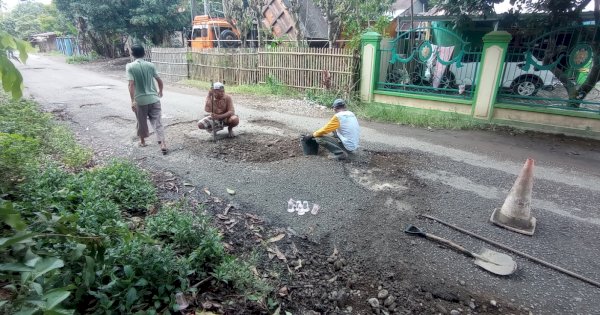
{"type": "Point", "coordinates": [514, 79]}
{"type": "Point", "coordinates": [211, 32]}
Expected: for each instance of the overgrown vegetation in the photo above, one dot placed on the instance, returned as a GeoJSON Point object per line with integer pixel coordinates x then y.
{"type": "Point", "coordinates": [29, 138]}
{"type": "Point", "coordinates": [414, 116]}
{"type": "Point", "coordinates": [80, 59]}
{"type": "Point", "coordinates": [271, 87]}
{"type": "Point", "coordinates": [74, 239]}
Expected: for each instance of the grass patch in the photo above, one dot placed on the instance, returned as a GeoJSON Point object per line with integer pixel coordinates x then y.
{"type": "Point", "coordinates": [272, 87]}
{"type": "Point", "coordinates": [81, 59]}
{"type": "Point", "coordinates": [30, 137]}
{"type": "Point", "coordinates": [415, 117]}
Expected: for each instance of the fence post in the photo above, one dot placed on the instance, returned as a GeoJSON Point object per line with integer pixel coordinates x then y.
{"type": "Point", "coordinates": [495, 45]}
{"type": "Point", "coordinates": [369, 69]}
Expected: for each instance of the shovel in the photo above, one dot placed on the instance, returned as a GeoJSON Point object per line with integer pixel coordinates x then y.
{"type": "Point", "coordinates": [494, 262]}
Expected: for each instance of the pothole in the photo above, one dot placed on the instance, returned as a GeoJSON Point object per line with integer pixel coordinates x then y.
{"type": "Point", "coordinates": [117, 119]}
{"type": "Point", "coordinates": [247, 147]}
{"type": "Point", "coordinates": [384, 172]}
{"type": "Point", "coordinates": [268, 123]}
{"type": "Point", "coordinates": [89, 105]}
{"type": "Point", "coordinates": [94, 87]}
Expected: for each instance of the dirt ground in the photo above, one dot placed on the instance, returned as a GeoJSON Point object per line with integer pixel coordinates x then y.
{"type": "Point", "coordinates": [309, 276]}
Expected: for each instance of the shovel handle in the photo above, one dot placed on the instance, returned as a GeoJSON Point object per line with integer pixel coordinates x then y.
{"type": "Point", "coordinates": [449, 244]}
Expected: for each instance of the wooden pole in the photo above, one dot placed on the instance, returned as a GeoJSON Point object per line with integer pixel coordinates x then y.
{"type": "Point", "coordinates": [212, 110]}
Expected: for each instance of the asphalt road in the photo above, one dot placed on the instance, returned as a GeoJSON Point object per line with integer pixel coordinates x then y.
{"type": "Point", "coordinates": [457, 176]}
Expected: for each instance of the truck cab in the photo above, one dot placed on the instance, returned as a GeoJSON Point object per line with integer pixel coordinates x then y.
{"type": "Point", "coordinates": [212, 32]}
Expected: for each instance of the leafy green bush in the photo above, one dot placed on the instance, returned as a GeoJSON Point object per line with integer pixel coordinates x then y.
{"type": "Point", "coordinates": [324, 98]}
{"type": "Point", "coordinates": [190, 234]}
{"type": "Point", "coordinates": [99, 215]}
{"type": "Point", "coordinates": [123, 183]}
{"type": "Point", "coordinates": [237, 273]}
{"type": "Point", "coordinates": [18, 154]}
{"type": "Point", "coordinates": [50, 189]}
{"type": "Point", "coordinates": [277, 87]}
{"type": "Point", "coordinates": [25, 118]}
{"type": "Point", "coordinates": [139, 275]}
{"type": "Point", "coordinates": [64, 146]}
{"type": "Point", "coordinates": [32, 272]}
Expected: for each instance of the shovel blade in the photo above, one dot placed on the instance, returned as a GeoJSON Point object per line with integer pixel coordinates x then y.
{"type": "Point", "coordinates": [495, 262]}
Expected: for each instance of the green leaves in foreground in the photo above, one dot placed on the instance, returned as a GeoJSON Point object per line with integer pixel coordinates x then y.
{"type": "Point", "coordinates": [9, 75]}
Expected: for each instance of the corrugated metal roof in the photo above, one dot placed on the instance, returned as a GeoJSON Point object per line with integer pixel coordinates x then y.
{"type": "Point", "coordinates": [312, 20]}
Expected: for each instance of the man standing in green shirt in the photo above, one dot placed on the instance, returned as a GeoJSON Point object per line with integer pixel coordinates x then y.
{"type": "Point", "coordinates": [145, 100]}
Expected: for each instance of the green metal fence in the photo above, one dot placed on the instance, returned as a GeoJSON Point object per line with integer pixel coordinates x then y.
{"type": "Point", "coordinates": [552, 70]}
{"type": "Point", "coordinates": [429, 61]}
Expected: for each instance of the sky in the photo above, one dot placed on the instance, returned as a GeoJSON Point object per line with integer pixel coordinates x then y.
{"type": "Point", "coordinates": [9, 4]}
{"type": "Point", "coordinates": [502, 7]}
{"type": "Point", "coordinates": [505, 6]}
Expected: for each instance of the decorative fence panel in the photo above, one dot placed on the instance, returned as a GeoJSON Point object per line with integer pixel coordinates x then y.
{"type": "Point", "coordinates": [308, 68]}
{"type": "Point", "coordinates": [553, 70]}
{"type": "Point", "coordinates": [235, 66]}
{"type": "Point", "coordinates": [171, 63]}
{"type": "Point", "coordinates": [297, 68]}
{"type": "Point", "coordinates": [429, 61]}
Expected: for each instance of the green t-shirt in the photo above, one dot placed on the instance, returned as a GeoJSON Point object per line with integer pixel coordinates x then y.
{"type": "Point", "coordinates": [143, 74]}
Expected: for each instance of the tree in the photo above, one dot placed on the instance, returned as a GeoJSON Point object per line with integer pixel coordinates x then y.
{"type": "Point", "coordinates": [242, 14]}
{"type": "Point", "coordinates": [352, 15]}
{"type": "Point", "coordinates": [156, 19]}
{"type": "Point", "coordinates": [106, 23]}
{"type": "Point", "coordinates": [561, 13]}
{"type": "Point", "coordinates": [365, 15]}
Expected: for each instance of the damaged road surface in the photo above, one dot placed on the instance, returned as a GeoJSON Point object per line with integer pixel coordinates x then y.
{"type": "Point", "coordinates": [353, 253]}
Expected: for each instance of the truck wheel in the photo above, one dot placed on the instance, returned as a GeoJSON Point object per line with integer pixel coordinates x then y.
{"type": "Point", "coordinates": [229, 39]}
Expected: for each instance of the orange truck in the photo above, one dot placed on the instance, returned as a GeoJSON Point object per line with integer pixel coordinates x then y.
{"type": "Point", "coordinates": [212, 32]}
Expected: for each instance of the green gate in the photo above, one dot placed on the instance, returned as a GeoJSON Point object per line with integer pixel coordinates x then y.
{"type": "Point", "coordinates": [430, 61]}
{"type": "Point", "coordinates": [554, 70]}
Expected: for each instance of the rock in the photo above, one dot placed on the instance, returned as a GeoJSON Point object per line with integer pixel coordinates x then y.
{"type": "Point", "coordinates": [462, 282]}
{"type": "Point", "coordinates": [441, 308]}
{"type": "Point", "coordinates": [382, 294]}
{"type": "Point", "coordinates": [342, 298]}
{"type": "Point", "coordinates": [135, 222]}
{"type": "Point", "coordinates": [493, 302]}
{"type": "Point", "coordinates": [384, 312]}
{"type": "Point", "coordinates": [428, 296]}
{"type": "Point", "coordinates": [389, 300]}
{"type": "Point", "coordinates": [446, 295]}
{"type": "Point", "coordinates": [338, 265]}
{"type": "Point", "coordinates": [333, 296]}
{"type": "Point", "coordinates": [472, 305]}
{"type": "Point", "coordinates": [413, 243]}
{"type": "Point", "coordinates": [454, 312]}
{"type": "Point", "coordinates": [578, 299]}
{"type": "Point", "coordinates": [373, 302]}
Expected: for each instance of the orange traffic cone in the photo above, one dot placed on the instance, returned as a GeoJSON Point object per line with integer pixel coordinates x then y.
{"type": "Point", "coordinates": [515, 214]}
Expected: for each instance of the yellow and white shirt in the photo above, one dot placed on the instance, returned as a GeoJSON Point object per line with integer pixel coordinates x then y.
{"type": "Point", "coordinates": [346, 126]}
